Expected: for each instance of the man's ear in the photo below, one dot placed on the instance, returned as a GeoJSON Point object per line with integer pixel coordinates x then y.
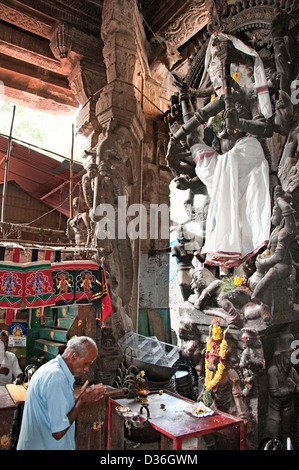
{"type": "Point", "coordinates": [74, 356]}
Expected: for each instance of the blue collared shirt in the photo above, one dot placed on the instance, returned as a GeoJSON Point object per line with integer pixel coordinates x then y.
{"type": "Point", "coordinates": [49, 399]}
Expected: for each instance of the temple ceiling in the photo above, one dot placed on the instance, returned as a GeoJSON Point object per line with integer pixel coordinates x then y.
{"type": "Point", "coordinates": [37, 35]}
{"type": "Point", "coordinates": [30, 68]}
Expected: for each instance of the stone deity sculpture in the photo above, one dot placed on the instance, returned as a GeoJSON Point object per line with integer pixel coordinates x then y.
{"type": "Point", "coordinates": [252, 361]}
{"type": "Point", "coordinates": [79, 227]}
{"type": "Point", "coordinates": [283, 388]}
{"type": "Point", "coordinates": [185, 268]}
{"type": "Point", "coordinates": [241, 164]}
{"type": "Point", "coordinates": [274, 266]}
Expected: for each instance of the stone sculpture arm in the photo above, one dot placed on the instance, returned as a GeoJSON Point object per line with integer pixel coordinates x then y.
{"type": "Point", "coordinates": [200, 117]}
{"type": "Point", "coordinates": [207, 292]}
{"type": "Point", "coordinates": [237, 393]}
{"type": "Point", "coordinates": [279, 29]}
{"type": "Point", "coordinates": [189, 131]}
{"type": "Point", "coordinates": [259, 127]}
{"type": "Point", "coordinates": [277, 391]}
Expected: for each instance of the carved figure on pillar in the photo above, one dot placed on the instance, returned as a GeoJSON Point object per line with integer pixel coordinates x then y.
{"type": "Point", "coordinates": [79, 227]}
{"type": "Point", "coordinates": [274, 266]}
{"type": "Point", "coordinates": [237, 143]}
{"type": "Point", "coordinates": [88, 189]}
{"type": "Point", "coordinates": [252, 362]}
{"type": "Point", "coordinates": [283, 388]}
{"type": "Point", "coordinates": [191, 345]}
{"type": "Point", "coordinates": [185, 268]}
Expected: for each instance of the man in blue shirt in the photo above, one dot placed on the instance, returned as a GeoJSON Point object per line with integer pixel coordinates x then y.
{"type": "Point", "coordinates": [50, 409]}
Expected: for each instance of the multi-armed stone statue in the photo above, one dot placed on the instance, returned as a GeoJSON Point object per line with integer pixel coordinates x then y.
{"type": "Point", "coordinates": [234, 140]}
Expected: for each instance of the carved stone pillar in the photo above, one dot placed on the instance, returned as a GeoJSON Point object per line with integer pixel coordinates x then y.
{"type": "Point", "coordinates": [81, 60]}
{"type": "Point", "coordinates": [118, 156]}
{"type": "Point", "coordinates": [121, 118]}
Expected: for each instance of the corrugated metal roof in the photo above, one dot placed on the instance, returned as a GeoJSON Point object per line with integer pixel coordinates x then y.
{"type": "Point", "coordinates": [40, 175]}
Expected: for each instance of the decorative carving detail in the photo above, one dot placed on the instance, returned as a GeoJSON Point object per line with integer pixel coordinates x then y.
{"type": "Point", "coordinates": [250, 20]}
{"type": "Point", "coordinates": [26, 21]}
{"type": "Point", "coordinates": [181, 29]}
{"type": "Point", "coordinates": [62, 40]}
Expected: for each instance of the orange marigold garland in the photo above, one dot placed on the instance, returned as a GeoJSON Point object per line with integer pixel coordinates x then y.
{"type": "Point", "coordinates": [217, 346]}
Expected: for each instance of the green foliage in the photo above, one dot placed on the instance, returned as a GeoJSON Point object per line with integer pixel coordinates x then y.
{"type": "Point", "coordinates": [217, 123]}
{"type": "Point", "coordinates": [228, 285]}
{"type": "Point", "coordinates": [206, 398]}
{"type": "Point", "coordinates": [50, 132]}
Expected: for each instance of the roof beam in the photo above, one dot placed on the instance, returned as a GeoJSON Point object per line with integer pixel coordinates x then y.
{"type": "Point", "coordinates": [25, 18]}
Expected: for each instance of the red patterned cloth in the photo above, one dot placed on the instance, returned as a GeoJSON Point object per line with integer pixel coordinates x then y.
{"type": "Point", "coordinates": [74, 281]}
{"type": "Point", "coordinates": [63, 283]}
{"type": "Point", "coordinates": [29, 284]}
{"type": "Point", "coordinates": [101, 298]}
{"type": "Point", "coordinates": [38, 284]}
{"type": "Point", "coordinates": [85, 278]}
{"type": "Point", "coordinates": [11, 285]}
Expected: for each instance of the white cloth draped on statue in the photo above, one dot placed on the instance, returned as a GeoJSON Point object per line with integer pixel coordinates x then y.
{"type": "Point", "coordinates": [238, 220]}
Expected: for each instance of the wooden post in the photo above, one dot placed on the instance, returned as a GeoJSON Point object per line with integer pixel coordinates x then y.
{"type": "Point", "coordinates": [4, 191]}
{"type": "Point", "coordinates": [97, 160]}
{"type": "Point", "coordinates": [72, 175]}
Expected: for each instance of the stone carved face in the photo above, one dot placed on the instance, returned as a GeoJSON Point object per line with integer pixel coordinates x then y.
{"type": "Point", "coordinates": [276, 216]}
{"type": "Point", "coordinates": [92, 170]}
{"type": "Point", "coordinates": [197, 282]}
{"type": "Point", "coordinates": [248, 337]}
{"type": "Point", "coordinates": [201, 278]}
{"type": "Point", "coordinates": [216, 75]}
{"type": "Point", "coordinates": [105, 168]}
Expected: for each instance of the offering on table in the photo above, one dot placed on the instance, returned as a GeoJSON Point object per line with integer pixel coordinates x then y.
{"type": "Point", "coordinates": [199, 410]}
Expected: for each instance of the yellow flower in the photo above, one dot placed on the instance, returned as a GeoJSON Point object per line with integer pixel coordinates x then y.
{"type": "Point", "coordinates": [216, 333]}
{"type": "Point", "coordinates": [238, 281]}
{"type": "Point", "coordinates": [142, 373]}
{"type": "Point", "coordinates": [209, 384]}
{"type": "Point", "coordinates": [209, 343]}
{"type": "Point", "coordinates": [236, 76]}
{"type": "Point", "coordinates": [223, 348]}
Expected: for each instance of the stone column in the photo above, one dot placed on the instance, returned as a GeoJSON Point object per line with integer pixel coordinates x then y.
{"type": "Point", "coordinates": [81, 60]}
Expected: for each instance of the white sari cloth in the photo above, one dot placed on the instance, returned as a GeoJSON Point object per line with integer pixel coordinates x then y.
{"type": "Point", "coordinates": [239, 215]}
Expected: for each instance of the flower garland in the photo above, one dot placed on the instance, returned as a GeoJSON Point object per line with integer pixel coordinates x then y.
{"type": "Point", "coordinates": [215, 347]}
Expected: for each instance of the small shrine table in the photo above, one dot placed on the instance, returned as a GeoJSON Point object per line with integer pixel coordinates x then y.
{"type": "Point", "coordinates": [173, 421]}
{"type": "Point", "coordinates": [17, 393]}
